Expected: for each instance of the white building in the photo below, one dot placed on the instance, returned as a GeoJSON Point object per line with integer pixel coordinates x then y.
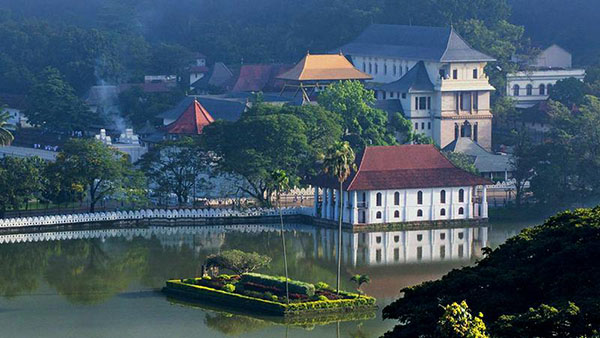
{"type": "Point", "coordinates": [533, 85]}
{"type": "Point", "coordinates": [399, 184]}
{"type": "Point", "coordinates": [437, 77]}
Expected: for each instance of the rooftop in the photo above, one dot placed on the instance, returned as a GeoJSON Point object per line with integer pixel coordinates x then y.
{"type": "Point", "coordinates": [438, 44]}
{"type": "Point", "coordinates": [324, 67]}
{"type": "Point", "coordinates": [484, 161]}
{"type": "Point", "coordinates": [192, 121]}
{"type": "Point", "coordinates": [403, 167]}
{"type": "Point", "coordinates": [261, 77]}
{"type": "Point", "coordinates": [415, 80]}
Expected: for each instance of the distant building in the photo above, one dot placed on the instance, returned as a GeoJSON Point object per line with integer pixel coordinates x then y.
{"type": "Point", "coordinates": [191, 122]}
{"type": "Point", "coordinates": [534, 82]}
{"type": "Point", "coordinates": [260, 78]}
{"type": "Point", "coordinates": [315, 71]}
{"type": "Point", "coordinates": [436, 76]}
{"type": "Point", "coordinates": [219, 78]}
{"type": "Point", "coordinates": [496, 167]}
{"type": "Point", "coordinates": [127, 142]}
{"type": "Point", "coordinates": [198, 69]}
{"type": "Point", "coordinates": [399, 184]}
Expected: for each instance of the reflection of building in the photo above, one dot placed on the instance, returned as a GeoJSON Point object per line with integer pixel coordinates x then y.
{"type": "Point", "coordinates": [533, 85]}
{"type": "Point", "coordinates": [397, 184]}
{"type": "Point", "coordinates": [404, 247]}
{"type": "Point", "coordinates": [437, 78]}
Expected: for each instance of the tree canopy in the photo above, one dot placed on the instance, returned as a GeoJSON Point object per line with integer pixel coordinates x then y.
{"type": "Point", "coordinates": [238, 261]}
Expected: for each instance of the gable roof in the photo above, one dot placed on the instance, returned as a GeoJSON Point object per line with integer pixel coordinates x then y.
{"type": "Point", "coordinates": [219, 75]}
{"type": "Point", "coordinates": [192, 121]}
{"type": "Point", "coordinates": [438, 44]}
{"type": "Point", "coordinates": [415, 80]}
{"type": "Point", "coordinates": [467, 146]}
{"type": "Point", "coordinates": [261, 77]}
{"type": "Point", "coordinates": [403, 167]}
{"type": "Point", "coordinates": [484, 161]}
{"type": "Point", "coordinates": [321, 67]}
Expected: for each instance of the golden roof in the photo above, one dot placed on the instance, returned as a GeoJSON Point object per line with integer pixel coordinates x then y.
{"type": "Point", "coordinates": [321, 67]}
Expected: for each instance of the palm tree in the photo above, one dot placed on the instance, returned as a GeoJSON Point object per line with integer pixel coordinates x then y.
{"type": "Point", "coordinates": [281, 183]}
{"type": "Point", "coordinates": [339, 162]}
{"type": "Point", "coordinates": [6, 137]}
{"type": "Point", "coordinates": [360, 280]}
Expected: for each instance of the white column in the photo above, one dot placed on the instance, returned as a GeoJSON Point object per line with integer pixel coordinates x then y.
{"type": "Point", "coordinates": [405, 216]}
{"type": "Point", "coordinates": [324, 203]}
{"type": "Point", "coordinates": [432, 210]}
{"type": "Point", "coordinates": [316, 201]}
{"type": "Point", "coordinates": [470, 202]}
{"type": "Point", "coordinates": [484, 204]}
{"type": "Point", "coordinates": [329, 203]}
{"type": "Point", "coordinates": [345, 209]}
{"type": "Point", "coordinates": [336, 207]}
{"type": "Point", "coordinates": [451, 211]}
{"type": "Point", "coordinates": [354, 210]}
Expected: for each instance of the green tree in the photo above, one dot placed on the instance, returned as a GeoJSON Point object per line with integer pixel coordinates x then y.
{"type": "Point", "coordinates": [282, 184]}
{"type": "Point", "coordinates": [360, 280]}
{"type": "Point", "coordinates": [88, 165]}
{"type": "Point", "coordinates": [6, 136]}
{"type": "Point", "coordinates": [339, 162]}
{"type": "Point", "coordinates": [570, 92]}
{"type": "Point", "coordinates": [458, 321]}
{"type": "Point", "coordinates": [542, 321]}
{"type": "Point", "coordinates": [462, 161]}
{"type": "Point", "coordinates": [523, 162]}
{"type": "Point", "coordinates": [54, 106]}
{"type": "Point", "coordinates": [20, 181]}
{"type": "Point", "coordinates": [362, 124]}
{"type": "Point", "coordinates": [176, 167]}
{"type": "Point", "coordinates": [238, 261]}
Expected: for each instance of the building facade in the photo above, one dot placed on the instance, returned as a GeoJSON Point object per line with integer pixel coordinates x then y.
{"type": "Point", "coordinates": [533, 85]}
{"type": "Point", "coordinates": [400, 184]}
{"type": "Point", "coordinates": [438, 78]}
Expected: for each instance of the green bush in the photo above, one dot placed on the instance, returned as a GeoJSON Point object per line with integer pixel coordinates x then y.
{"type": "Point", "coordinates": [279, 282]}
{"type": "Point", "coordinates": [322, 298]}
{"type": "Point", "coordinates": [321, 286]}
{"type": "Point", "coordinates": [274, 298]}
{"type": "Point", "coordinates": [224, 277]}
{"type": "Point", "coordinates": [206, 277]}
{"type": "Point", "coordinates": [229, 288]}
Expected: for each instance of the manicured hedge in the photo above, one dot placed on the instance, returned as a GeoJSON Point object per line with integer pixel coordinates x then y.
{"type": "Point", "coordinates": [279, 282]}
{"type": "Point", "coordinates": [257, 304]}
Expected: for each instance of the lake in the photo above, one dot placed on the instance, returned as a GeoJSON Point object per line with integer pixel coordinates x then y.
{"type": "Point", "coordinates": [104, 283]}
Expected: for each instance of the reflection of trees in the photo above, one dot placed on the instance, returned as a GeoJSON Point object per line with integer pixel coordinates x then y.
{"type": "Point", "coordinates": [233, 325]}
{"type": "Point", "coordinates": [22, 266]}
{"type": "Point", "coordinates": [88, 272]}
{"type": "Point", "coordinates": [169, 262]}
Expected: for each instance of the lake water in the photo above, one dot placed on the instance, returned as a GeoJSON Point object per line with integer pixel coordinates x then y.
{"type": "Point", "coordinates": [104, 283]}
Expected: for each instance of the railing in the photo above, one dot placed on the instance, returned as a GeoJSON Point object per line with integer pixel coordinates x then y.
{"type": "Point", "coordinates": [148, 214]}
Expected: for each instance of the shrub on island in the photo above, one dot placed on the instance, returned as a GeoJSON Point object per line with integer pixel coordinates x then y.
{"type": "Point", "coordinates": [275, 282]}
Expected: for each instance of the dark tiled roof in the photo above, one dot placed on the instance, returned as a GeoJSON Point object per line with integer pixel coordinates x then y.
{"type": "Point", "coordinates": [416, 80]}
{"type": "Point", "coordinates": [403, 167]}
{"type": "Point", "coordinates": [437, 44]}
{"type": "Point", "coordinates": [255, 78]}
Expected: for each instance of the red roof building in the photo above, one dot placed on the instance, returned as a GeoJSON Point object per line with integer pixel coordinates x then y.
{"type": "Point", "coordinates": [192, 121]}
{"type": "Point", "coordinates": [261, 77]}
{"type": "Point", "coordinates": [407, 183]}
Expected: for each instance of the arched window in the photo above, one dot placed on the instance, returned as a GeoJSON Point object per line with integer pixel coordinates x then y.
{"type": "Point", "coordinates": [542, 89]}
{"type": "Point", "coordinates": [419, 213]}
{"type": "Point", "coordinates": [378, 215]}
{"type": "Point", "coordinates": [376, 68]}
{"type": "Point", "coordinates": [396, 198]}
{"type": "Point", "coordinates": [461, 211]}
{"type": "Point", "coordinates": [395, 70]}
{"type": "Point", "coordinates": [396, 214]}
{"type": "Point", "coordinates": [442, 212]}
{"type": "Point", "coordinates": [370, 68]}
{"type": "Point", "coordinates": [465, 130]}
{"type": "Point", "coordinates": [443, 196]}
{"type": "Point", "coordinates": [516, 90]}
{"type": "Point", "coordinates": [420, 197]}
{"type": "Point", "coordinates": [529, 90]}
{"type": "Point", "coordinates": [378, 199]}
{"type": "Point", "coordinates": [461, 196]}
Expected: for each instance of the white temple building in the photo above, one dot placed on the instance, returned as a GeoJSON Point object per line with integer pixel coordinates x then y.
{"type": "Point", "coordinates": [400, 184]}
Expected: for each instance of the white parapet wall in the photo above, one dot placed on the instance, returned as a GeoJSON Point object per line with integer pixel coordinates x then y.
{"type": "Point", "coordinates": [147, 214]}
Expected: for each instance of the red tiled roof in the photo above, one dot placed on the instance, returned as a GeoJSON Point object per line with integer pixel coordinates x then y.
{"type": "Point", "coordinates": [192, 121]}
{"type": "Point", "coordinates": [254, 78]}
{"type": "Point", "coordinates": [403, 167]}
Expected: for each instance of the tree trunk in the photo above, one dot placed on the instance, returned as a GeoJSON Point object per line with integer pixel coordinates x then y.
{"type": "Point", "coordinates": [285, 265]}
{"type": "Point", "coordinates": [339, 249]}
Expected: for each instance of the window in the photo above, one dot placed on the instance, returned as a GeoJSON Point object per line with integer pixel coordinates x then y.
{"type": "Point", "coordinates": [370, 68]}
{"type": "Point", "coordinates": [542, 89]}
{"type": "Point", "coordinates": [516, 90]}
{"type": "Point", "coordinates": [396, 254]}
{"type": "Point", "coordinates": [442, 236]}
{"type": "Point", "coordinates": [379, 199]}
{"type": "Point", "coordinates": [384, 93]}
{"type": "Point", "coordinates": [364, 67]}
{"type": "Point", "coordinates": [429, 102]}
{"type": "Point", "coordinates": [461, 196]}
{"type": "Point", "coordinates": [442, 73]}
{"type": "Point", "coordinates": [419, 213]}
{"type": "Point", "coordinates": [423, 125]}
{"type": "Point", "coordinates": [391, 95]}
{"type": "Point", "coordinates": [376, 68]}
{"type": "Point", "coordinates": [455, 74]}
{"type": "Point", "coordinates": [461, 211]}
{"type": "Point", "coordinates": [419, 252]}
{"type": "Point", "coordinates": [396, 214]}
{"type": "Point", "coordinates": [475, 75]}
{"type": "Point", "coordinates": [475, 100]}
{"type": "Point", "coordinates": [420, 197]}
{"type": "Point", "coordinates": [442, 251]}
{"type": "Point", "coordinates": [443, 196]}
{"type": "Point", "coordinates": [378, 239]}
{"type": "Point", "coordinates": [419, 237]}
{"type": "Point", "coordinates": [549, 88]}
{"type": "Point", "coordinates": [416, 103]}
{"type": "Point", "coordinates": [394, 70]}
{"type": "Point", "coordinates": [422, 103]}
{"type": "Point", "coordinates": [475, 132]}
{"type": "Point", "coordinates": [403, 95]}
{"type": "Point", "coordinates": [529, 90]}
{"type": "Point", "coordinates": [429, 125]}
{"type": "Point", "coordinates": [378, 255]}
{"type": "Point", "coordinates": [416, 126]}
{"type": "Point", "coordinates": [396, 198]}
{"type": "Point", "coordinates": [396, 239]}
{"type": "Point", "coordinates": [461, 251]}
{"type": "Point", "coordinates": [442, 212]}
{"type": "Point", "coordinates": [456, 131]}
{"type": "Point", "coordinates": [384, 69]}
{"type": "Point", "coordinates": [461, 235]}
{"type": "Point", "coordinates": [378, 215]}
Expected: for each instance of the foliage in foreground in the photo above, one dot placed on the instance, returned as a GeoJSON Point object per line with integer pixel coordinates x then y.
{"type": "Point", "coordinates": [458, 321]}
{"type": "Point", "coordinates": [545, 277]}
{"type": "Point", "coordinates": [238, 261]}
